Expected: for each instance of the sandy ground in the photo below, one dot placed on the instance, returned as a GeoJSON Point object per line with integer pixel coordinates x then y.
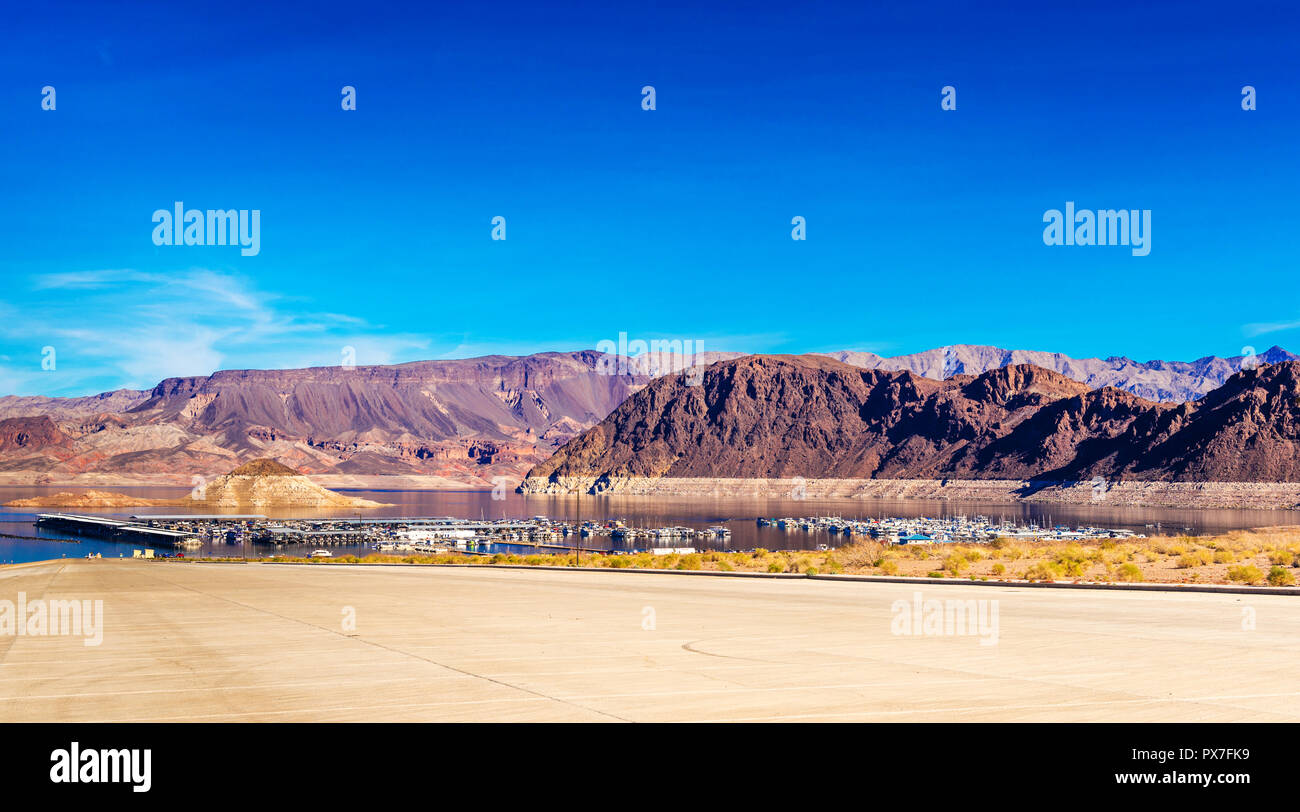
{"type": "Point", "coordinates": [264, 642]}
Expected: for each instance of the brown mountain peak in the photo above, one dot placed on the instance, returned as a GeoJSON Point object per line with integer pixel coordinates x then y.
{"type": "Point", "coordinates": [1025, 379]}
{"type": "Point", "coordinates": [264, 467]}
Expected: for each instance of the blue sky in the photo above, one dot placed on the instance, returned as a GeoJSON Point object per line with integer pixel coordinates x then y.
{"type": "Point", "coordinates": [924, 226]}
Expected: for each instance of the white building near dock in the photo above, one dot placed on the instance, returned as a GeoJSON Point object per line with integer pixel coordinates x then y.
{"type": "Point", "coordinates": [435, 535]}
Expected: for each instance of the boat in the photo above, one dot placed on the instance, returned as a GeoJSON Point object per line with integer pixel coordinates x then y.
{"type": "Point", "coordinates": [321, 554]}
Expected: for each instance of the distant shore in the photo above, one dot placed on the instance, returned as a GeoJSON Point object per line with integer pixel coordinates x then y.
{"type": "Point", "coordinates": [1133, 493]}
{"type": "Point", "coordinates": [183, 483]}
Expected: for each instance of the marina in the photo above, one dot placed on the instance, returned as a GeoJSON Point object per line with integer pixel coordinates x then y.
{"type": "Point", "coordinates": [446, 534]}
{"type": "Point", "coordinates": [929, 530]}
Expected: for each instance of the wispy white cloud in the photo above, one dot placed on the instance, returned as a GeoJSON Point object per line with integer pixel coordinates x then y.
{"type": "Point", "coordinates": [1260, 328]}
{"type": "Point", "coordinates": [124, 328]}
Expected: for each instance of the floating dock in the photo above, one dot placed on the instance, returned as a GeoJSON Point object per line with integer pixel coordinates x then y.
{"type": "Point", "coordinates": [116, 530]}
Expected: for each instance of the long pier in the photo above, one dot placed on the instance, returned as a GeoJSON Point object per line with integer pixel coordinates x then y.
{"type": "Point", "coordinates": [115, 530]}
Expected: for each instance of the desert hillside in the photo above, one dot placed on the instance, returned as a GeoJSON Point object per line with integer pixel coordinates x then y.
{"type": "Point", "coordinates": [814, 417]}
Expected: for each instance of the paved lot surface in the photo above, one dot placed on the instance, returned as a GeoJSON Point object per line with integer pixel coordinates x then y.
{"type": "Point", "coordinates": [255, 642]}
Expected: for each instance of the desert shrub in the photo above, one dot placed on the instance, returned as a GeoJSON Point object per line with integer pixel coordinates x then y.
{"type": "Point", "coordinates": [1246, 574]}
{"type": "Point", "coordinates": [1043, 571]}
{"type": "Point", "coordinates": [934, 574]}
{"type": "Point", "coordinates": [1224, 557]}
{"type": "Point", "coordinates": [999, 569]}
{"type": "Point", "coordinates": [1280, 557]}
{"type": "Point", "coordinates": [888, 566]}
{"type": "Point", "coordinates": [1113, 556]}
{"type": "Point", "coordinates": [1280, 576]}
{"type": "Point", "coordinates": [1129, 572]}
{"type": "Point", "coordinates": [1072, 561]}
{"type": "Point", "coordinates": [860, 553]}
{"type": "Point", "coordinates": [956, 563]}
{"type": "Point", "coordinates": [1195, 558]}
{"type": "Point", "coordinates": [776, 566]}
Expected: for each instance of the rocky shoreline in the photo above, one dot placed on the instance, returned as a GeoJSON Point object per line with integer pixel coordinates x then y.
{"type": "Point", "coordinates": [375, 482]}
{"type": "Point", "coordinates": [1133, 493]}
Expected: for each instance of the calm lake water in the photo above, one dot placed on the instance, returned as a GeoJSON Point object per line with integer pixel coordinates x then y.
{"type": "Point", "coordinates": [736, 513]}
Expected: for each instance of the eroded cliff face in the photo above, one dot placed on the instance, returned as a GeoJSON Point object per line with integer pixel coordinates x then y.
{"type": "Point", "coordinates": [20, 435]}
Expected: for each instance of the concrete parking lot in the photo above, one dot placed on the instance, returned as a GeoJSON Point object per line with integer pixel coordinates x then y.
{"type": "Point", "coordinates": [262, 642]}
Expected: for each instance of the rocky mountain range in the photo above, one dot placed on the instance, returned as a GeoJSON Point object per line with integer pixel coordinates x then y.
{"type": "Point", "coordinates": [1163, 381]}
{"type": "Point", "coordinates": [809, 416]}
{"type": "Point", "coordinates": [459, 423]}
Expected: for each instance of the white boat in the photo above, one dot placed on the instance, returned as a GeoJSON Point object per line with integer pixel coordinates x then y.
{"type": "Point", "coordinates": [321, 554]}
